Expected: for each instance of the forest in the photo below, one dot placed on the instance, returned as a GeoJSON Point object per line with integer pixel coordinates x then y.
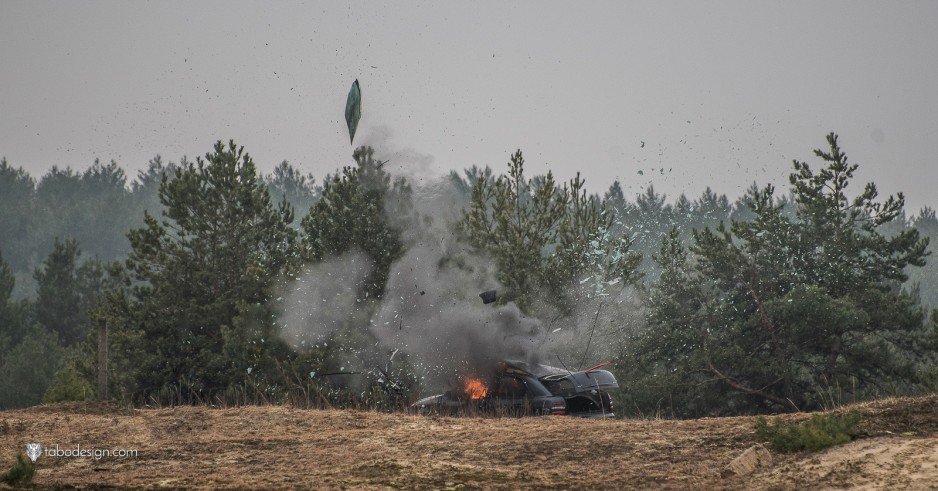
{"type": "Point", "coordinates": [202, 272]}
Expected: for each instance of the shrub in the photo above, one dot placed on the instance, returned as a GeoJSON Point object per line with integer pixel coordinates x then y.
{"type": "Point", "coordinates": [68, 384]}
{"type": "Point", "coordinates": [21, 474]}
{"type": "Point", "coordinates": [821, 431]}
{"type": "Point", "coordinates": [27, 369]}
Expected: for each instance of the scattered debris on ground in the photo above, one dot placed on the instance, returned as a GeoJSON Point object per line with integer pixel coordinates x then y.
{"type": "Point", "coordinates": [755, 457]}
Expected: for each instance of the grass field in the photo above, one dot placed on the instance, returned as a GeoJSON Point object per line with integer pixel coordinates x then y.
{"type": "Point", "coordinates": [283, 447]}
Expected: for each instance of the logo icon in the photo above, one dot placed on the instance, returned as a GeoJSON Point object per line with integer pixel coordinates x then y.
{"type": "Point", "coordinates": [32, 451]}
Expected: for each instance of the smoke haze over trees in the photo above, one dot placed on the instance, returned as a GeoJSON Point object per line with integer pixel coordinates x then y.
{"type": "Point", "coordinates": [201, 269]}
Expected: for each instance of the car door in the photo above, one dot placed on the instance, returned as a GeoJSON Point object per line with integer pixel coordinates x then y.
{"type": "Point", "coordinates": [509, 396]}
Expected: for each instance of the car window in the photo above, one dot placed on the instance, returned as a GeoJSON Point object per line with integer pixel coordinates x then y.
{"type": "Point", "coordinates": [535, 388]}
{"type": "Point", "coordinates": [561, 387]}
{"type": "Point", "coordinates": [510, 387]}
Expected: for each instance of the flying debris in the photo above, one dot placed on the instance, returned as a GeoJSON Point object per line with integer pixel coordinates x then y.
{"type": "Point", "coordinates": [489, 296]}
{"type": "Point", "coordinates": [353, 110]}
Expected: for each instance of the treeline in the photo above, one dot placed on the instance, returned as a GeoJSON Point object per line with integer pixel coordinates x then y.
{"type": "Point", "coordinates": [707, 306]}
{"type": "Point", "coordinates": [97, 207]}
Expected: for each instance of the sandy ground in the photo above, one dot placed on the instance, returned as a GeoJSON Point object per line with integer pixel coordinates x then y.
{"type": "Point", "coordinates": [283, 447]}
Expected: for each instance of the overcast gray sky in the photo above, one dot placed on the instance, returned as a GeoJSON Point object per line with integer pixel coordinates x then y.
{"type": "Point", "coordinates": [721, 93]}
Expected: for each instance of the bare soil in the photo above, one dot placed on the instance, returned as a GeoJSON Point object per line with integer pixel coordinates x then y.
{"type": "Point", "coordinates": [282, 447]}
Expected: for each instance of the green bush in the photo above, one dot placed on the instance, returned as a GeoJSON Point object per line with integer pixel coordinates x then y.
{"type": "Point", "coordinates": [821, 431]}
{"type": "Point", "coordinates": [27, 369]}
{"type": "Point", "coordinates": [21, 474]}
{"type": "Point", "coordinates": [68, 384]}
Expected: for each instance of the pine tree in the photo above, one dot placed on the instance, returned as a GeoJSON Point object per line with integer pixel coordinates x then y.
{"type": "Point", "coordinates": [59, 305]}
{"type": "Point", "coordinates": [360, 209]}
{"type": "Point", "coordinates": [791, 306]}
{"type": "Point", "coordinates": [514, 220]}
{"type": "Point", "coordinates": [15, 316]}
{"type": "Point", "coordinates": [17, 195]}
{"type": "Point", "coordinates": [287, 183]}
{"type": "Point", "coordinates": [926, 278]}
{"type": "Point", "coordinates": [219, 246]}
{"type": "Point", "coordinates": [29, 353]}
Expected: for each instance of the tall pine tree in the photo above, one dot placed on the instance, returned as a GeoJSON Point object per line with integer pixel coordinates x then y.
{"type": "Point", "coordinates": [218, 248]}
{"type": "Point", "coordinates": [781, 311]}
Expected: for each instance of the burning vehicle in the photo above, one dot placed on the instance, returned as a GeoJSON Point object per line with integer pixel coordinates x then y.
{"type": "Point", "coordinates": [519, 389]}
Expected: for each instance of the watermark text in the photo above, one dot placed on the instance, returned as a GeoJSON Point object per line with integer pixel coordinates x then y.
{"type": "Point", "coordinates": [35, 450]}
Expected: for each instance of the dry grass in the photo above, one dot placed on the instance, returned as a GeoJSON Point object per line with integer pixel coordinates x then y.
{"type": "Point", "coordinates": [283, 447]}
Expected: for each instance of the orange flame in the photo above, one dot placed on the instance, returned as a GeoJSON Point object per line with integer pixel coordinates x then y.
{"type": "Point", "coordinates": [475, 389]}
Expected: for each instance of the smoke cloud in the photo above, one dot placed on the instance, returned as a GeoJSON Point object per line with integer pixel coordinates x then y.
{"type": "Point", "coordinates": [434, 314]}
{"type": "Point", "coordinates": [325, 299]}
{"type": "Point", "coordinates": [431, 310]}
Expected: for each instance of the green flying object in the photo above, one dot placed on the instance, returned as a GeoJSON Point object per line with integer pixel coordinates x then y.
{"type": "Point", "coordinates": [353, 110]}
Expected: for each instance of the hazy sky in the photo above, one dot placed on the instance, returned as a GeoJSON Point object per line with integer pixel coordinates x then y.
{"type": "Point", "coordinates": [720, 93]}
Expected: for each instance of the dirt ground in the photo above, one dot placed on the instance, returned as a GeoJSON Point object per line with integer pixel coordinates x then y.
{"type": "Point", "coordinates": [282, 447]}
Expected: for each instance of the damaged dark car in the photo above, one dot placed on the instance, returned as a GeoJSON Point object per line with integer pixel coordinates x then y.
{"type": "Point", "coordinates": [528, 389]}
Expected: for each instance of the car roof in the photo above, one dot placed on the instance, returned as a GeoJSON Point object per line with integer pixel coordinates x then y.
{"type": "Point", "coordinates": [534, 369]}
